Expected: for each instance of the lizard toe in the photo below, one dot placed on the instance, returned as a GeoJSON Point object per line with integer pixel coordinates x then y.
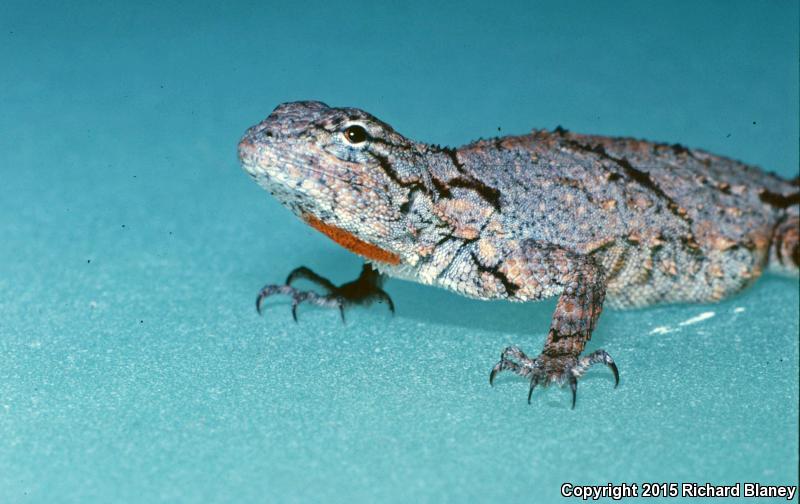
{"type": "Point", "coordinates": [362, 291]}
{"type": "Point", "coordinates": [551, 369]}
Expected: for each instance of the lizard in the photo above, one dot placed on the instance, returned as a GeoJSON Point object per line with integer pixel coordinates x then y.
{"type": "Point", "coordinates": [595, 220]}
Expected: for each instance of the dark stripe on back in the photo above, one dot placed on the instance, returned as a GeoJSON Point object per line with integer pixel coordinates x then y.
{"type": "Point", "coordinates": [466, 181]}
{"type": "Point", "coordinates": [453, 155]}
{"type": "Point", "coordinates": [642, 178]}
{"type": "Point", "coordinates": [490, 194]}
{"type": "Point", "coordinates": [778, 200]}
{"type": "Point", "coordinates": [390, 172]}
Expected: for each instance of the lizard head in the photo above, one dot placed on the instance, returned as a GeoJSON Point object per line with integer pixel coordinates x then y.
{"type": "Point", "coordinates": [343, 171]}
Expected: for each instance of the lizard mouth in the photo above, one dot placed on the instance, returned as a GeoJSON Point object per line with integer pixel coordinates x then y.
{"type": "Point", "coordinates": [351, 242]}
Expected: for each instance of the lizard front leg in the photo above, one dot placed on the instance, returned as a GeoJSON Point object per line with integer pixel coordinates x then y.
{"type": "Point", "coordinates": [539, 271]}
{"type": "Point", "coordinates": [362, 291]}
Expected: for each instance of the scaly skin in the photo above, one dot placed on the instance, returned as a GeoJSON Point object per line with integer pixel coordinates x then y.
{"type": "Point", "coordinates": [523, 218]}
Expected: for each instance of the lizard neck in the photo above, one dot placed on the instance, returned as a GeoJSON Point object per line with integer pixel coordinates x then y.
{"type": "Point", "coordinates": [353, 243]}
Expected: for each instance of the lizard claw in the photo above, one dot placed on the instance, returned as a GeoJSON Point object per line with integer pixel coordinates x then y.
{"type": "Point", "coordinates": [547, 369]}
{"type": "Point", "coordinates": [573, 384]}
{"type": "Point", "coordinates": [534, 382]}
{"type": "Point", "coordinates": [505, 363]}
{"type": "Point", "coordinates": [297, 298]}
{"type": "Point", "coordinates": [362, 291]}
{"type": "Point", "coordinates": [269, 290]}
{"type": "Point", "coordinates": [601, 356]}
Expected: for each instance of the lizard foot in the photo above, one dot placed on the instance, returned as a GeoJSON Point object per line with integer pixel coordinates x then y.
{"type": "Point", "coordinates": [362, 291]}
{"type": "Point", "coordinates": [546, 369]}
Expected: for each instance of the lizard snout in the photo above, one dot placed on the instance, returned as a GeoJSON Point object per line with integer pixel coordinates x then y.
{"type": "Point", "coordinates": [247, 149]}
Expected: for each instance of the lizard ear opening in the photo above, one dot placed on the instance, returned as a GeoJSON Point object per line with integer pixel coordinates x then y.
{"type": "Point", "coordinates": [356, 134]}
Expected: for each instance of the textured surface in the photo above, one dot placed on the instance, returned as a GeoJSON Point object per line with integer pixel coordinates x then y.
{"type": "Point", "coordinates": [524, 218]}
{"type": "Point", "coordinates": [133, 365]}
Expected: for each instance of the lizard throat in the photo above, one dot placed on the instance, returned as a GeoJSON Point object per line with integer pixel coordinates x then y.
{"type": "Point", "coordinates": [352, 243]}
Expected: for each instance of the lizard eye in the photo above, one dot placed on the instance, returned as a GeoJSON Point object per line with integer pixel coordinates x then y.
{"type": "Point", "coordinates": [355, 134]}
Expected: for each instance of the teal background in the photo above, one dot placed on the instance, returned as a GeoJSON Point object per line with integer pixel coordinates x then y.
{"type": "Point", "coordinates": [133, 366]}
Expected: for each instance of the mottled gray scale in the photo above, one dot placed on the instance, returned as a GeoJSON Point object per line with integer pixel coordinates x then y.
{"type": "Point", "coordinates": [704, 184]}
{"type": "Point", "coordinates": [585, 218]}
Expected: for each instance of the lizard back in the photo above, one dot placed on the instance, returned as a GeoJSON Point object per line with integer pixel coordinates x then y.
{"type": "Point", "coordinates": [669, 223]}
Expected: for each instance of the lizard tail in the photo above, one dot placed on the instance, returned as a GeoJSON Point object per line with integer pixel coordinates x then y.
{"type": "Point", "coordinates": [784, 251]}
{"type": "Point", "coordinates": [784, 254]}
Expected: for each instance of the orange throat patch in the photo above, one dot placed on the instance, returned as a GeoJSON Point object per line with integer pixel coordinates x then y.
{"type": "Point", "coordinates": [351, 242]}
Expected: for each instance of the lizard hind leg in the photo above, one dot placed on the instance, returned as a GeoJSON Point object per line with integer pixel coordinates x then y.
{"type": "Point", "coordinates": [362, 291]}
